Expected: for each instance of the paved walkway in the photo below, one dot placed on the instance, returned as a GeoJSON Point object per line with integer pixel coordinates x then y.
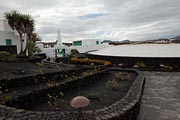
{"type": "Point", "coordinates": [161, 97]}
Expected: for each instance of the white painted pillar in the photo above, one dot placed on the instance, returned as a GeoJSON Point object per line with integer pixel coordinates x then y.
{"type": "Point", "coordinates": [59, 42]}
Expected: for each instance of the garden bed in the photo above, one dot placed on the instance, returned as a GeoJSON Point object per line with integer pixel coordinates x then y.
{"type": "Point", "coordinates": [105, 98]}
{"type": "Point", "coordinates": [99, 92]}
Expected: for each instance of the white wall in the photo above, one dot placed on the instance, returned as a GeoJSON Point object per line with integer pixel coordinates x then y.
{"type": "Point", "coordinates": [1, 25]}
{"type": "Point", "coordinates": [7, 33]}
{"type": "Point", "coordinates": [50, 52]}
{"type": "Point", "coordinates": [40, 46]}
{"type": "Point", "coordinates": [7, 27]}
{"type": "Point", "coordinates": [83, 49]}
{"type": "Point", "coordinates": [89, 45]}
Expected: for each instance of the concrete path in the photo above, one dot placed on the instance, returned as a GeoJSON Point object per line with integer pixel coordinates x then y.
{"type": "Point", "coordinates": [161, 97]}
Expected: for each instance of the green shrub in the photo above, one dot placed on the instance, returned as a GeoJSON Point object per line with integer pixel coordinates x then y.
{"type": "Point", "coordinates": [11, 58]}
{"type": "Point", "coordinates": [140, 65]}
{"type": "Point", "coordinates": [37, 71]}
{"type": "Point", "coordinates": [166, 66]}
{"type": "Point", "coordinates": [112, 84]}
{"type": "Point", "coordinates": [87, 61]}
{"type": "Point", "coordinates": [3, 56]}
{"type": "Point", "coordinates": [55, 101]}
{"type": "Point", "coordinates": [31, 47]}
{"type": "Point", "coordinates": [39, 64]}
{"type": "Point", "coordinates": [7, 57]}
{"type": "Point", "coordinates": [74, 52]}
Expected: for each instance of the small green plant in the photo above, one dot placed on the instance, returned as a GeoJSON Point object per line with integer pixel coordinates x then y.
{"type": "Point", "coordinates": [55, 101]}
{"type": "Point", "coordinates": [39, 64]}
{"type": "Point", "coordinates": [87, 61]}
{"type": "Point", "coordinates": [166, 66]}
{"type": "Point", "coordinates": [7, 57]}
{"type": "Point", "coordinates": [74, 52]}
{"type": "Point", "coordinates": [3, 96]}
{"type": "Point", "coordinates": [112, 84]}
{"type": "Point", "coordinates": [72, 78]}
{"type": "Point", "coordinates": [140, 65]}
{"type": "Point", "coordinates": [119, 75]}
{"type": "Point", "coordinates": [31, 47]}
{"type": "Point", "coordinates": [66, 76]}
{"type": "Point", "coordinates": [37, 71]}
{"type": "Point", "coordinates": [96, 69]}
{"type": "Point", "coordinates": [122, 76]}
{"type": "Point", "coordinates": [84, 74]}
{"type": "Point", "coordinates": [52, 84]}
{"type": "Point", "coordinates": [59, 68]}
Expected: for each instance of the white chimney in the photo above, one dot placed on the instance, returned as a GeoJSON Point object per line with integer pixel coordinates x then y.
{"type": "Point", "coordinates": [59, 42]}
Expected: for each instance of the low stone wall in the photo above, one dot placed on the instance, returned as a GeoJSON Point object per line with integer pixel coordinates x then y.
{"type": "Point", "coordinates": [11, 48]}
{"type": "Point", "coordinates": [63, 59]}
{"type": "Point", "coordinates": [124, 109]}
{"type": "Point", "coordinates": [130, 61]}
{"type": "Point", "coordinates": [37, 79]}
{"type": "Point", "coordinates": [35, 97]}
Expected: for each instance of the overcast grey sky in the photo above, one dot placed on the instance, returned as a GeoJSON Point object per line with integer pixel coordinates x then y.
{"type": "Point", "coordinates": [102, 19]}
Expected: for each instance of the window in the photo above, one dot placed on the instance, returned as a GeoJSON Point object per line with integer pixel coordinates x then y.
{"type": "Point", "coordinates": [46, 46]}
{"type": "Point", "coordinates": [77, 43]}
{"type": "Point", "coordinates": [52, 45]}
{"type": "Point", "coordinates": [8, 42]}
{"type": "Point", "coordinates": [97, 42]}
{"type": "Point", "coordinates": [60, 52]}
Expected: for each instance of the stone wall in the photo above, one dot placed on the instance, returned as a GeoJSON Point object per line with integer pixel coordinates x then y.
{"type": "Point", "coordinates": [130, 61]}
{"type": "Point", "coordinates": [38, 96]}
{"type": "Point", "coordinates": [11, 49]}
{"type": "Point", "coordinates": [37, 79]}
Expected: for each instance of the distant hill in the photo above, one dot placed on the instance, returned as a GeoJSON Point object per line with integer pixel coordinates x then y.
{"type": "Point", "coordinates": [177, 38]}
{"type": "Point", "coordinates": [106, 41]}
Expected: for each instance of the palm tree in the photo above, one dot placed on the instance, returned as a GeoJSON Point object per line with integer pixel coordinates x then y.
{"type": "Point", "coordinates": [29, 28]}
{"type": "Point", "coordinates": [31, 46]}
{"type": "Point", "coordinates": [15, 20]}
{"type": "Point", "coordinates": [23, 24]}
{"type": "Point", "coordinates": [35, 37]}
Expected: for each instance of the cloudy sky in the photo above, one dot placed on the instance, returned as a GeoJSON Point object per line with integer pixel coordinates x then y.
{"type": "Point", "coordinates": [102, 19]}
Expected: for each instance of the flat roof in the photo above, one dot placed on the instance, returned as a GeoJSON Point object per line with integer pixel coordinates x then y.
{"type": "Point", "coordinates": [141, 50]}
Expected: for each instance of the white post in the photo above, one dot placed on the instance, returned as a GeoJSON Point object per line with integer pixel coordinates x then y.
{"type": "Point", "coordinates": [59, 42]}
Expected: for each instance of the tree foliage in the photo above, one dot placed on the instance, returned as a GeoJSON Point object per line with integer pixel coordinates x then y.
{"type": "Point", "coordinates": [25, 25]}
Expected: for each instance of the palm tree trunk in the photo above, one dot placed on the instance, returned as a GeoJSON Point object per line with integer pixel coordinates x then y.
{"type": "Point", "coordinates": [21, 42]}
{"type": "Point", "coordinates": [25, 50]}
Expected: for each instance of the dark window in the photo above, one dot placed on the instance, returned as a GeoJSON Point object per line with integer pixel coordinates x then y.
{"type": "Point", "coordinates": [8, 42]}
{"type": "Point", "coordinates": [77, 43]}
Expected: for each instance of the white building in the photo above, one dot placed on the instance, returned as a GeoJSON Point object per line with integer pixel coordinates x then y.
{"type": "Point", "coordinates": [9, 37]}
{"type": "Point", "coordinates": [88, 45]}
{"type": "Point", "coordinates": [60, 50]}
{"type": "Point", "coordinates": [54, 49]}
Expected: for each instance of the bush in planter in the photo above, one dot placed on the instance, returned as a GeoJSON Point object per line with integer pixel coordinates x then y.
{"type": "Point", "coordinates": [166, 66]}
{"type": "Point", "coordinates": [55, 101]}
{"type": "Point", "coordinates": [74, 52]}
{"type": "Point", "coordinates": [139, 65]}
{"type": "Point", "coordinates": [113, 84]}
{"type": "Point", "coordinates": [3, 96]}
{"type": "Point", "coordinates": [7, 57]}
{"type": "Point", "coordinates": [87, 61]}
